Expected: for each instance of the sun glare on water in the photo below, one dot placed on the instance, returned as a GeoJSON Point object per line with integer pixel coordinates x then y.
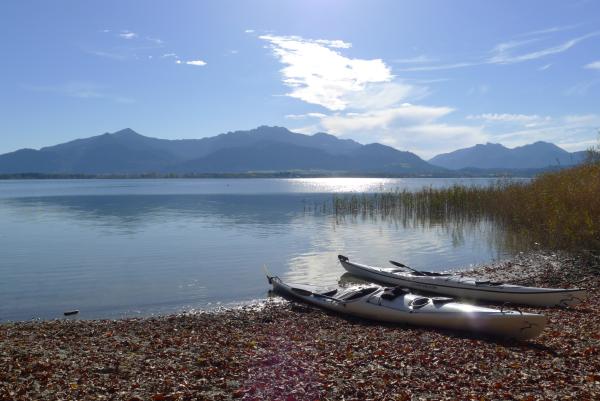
{"type": "Point", "coordinates": [337, 185]}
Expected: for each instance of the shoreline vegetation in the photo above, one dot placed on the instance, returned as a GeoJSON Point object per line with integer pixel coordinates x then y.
{"type": "Point", "coordinates": [288, 351]}
{"type": "Point", "coordinates": [561, 210]}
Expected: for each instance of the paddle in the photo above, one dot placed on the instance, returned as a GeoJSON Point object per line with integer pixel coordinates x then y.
{"type": "Point", "coordinates": [407, 267]}
{"type": "Point", "coordinates": [268, 274]}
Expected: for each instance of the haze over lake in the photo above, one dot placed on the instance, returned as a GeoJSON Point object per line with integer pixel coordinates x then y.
{"type": "Point", "coordinates": [114, 248]}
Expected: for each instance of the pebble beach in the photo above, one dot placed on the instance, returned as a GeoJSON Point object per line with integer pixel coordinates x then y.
{"type": "Point", "coordinates": [281, 350]}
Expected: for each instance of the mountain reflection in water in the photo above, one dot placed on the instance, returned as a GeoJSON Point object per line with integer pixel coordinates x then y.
{"type": "Point", "coordinates": [128, 254]}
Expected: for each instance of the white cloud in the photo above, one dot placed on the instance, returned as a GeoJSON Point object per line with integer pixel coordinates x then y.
{"type": "Point", "coordinates": [549, 30]}
{"type": "Point", "coordinates": [317, 73]}
{"type": "Point", "coordinates": [571, 132]}
{"type": "Point", "coordinates": [128, 35]}
{"type": "Point", "coordinates": [505, 47]}
{"type": "Point", "coordinates": [170, 55]}
{"type": "Point", "coordinates": [582, 120]}
{"type": "Point", "coordinates": [409, 127]}
{"type": "Point", "coordinates": [366, 102]}
{"type": "Point", "coordinates": [506, 52]}
{"type": "Point", "coordinates": [502, 52]}
{"type": "Point", "coordinates": [545, 67]}
{"type": "Point", "coordinates": [385, 95]}
{"type": "Point", "coordinates": [336, 44]}
{"type": "Point", "coordinates": [428, 140]}
{"type": "Point", "coordinates": [364, 99]}
{"type": "Point", "coordinates": [249, 31]}
{"type": "Point", "coordinates": [144, 48]}
{"type": "Point", "coordinates": [199, 63]}
{"type": "Point", "coordinates": [505, 117]}
{"type": "Point", "coordinates": [450, 66]}
{"type": "Point", "coordinates": [383, 119]}
{"type": "Point", "coordinates": [304, 116]}
{"type": "Point", "coordinates": [593, 65]}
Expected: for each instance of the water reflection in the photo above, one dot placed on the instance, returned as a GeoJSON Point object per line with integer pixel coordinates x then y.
{"type": "Point", "coordinates": [116, 255]}
{"type": "Point", "coordinates": [133, 213]}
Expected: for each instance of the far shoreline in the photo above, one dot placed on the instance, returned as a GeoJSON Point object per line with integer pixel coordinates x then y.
{"type": "Point", "coordinates": [493, 174]}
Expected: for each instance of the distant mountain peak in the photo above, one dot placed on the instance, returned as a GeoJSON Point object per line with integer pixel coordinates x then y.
{"type": "Point", "coordinates": [126, 132]}
{"type": "Point", "coordinates": [270, 128]}
{"type": "Point", "coordinates": [489, 145]}
{"type": "Point", "coordinates": [324, 135]}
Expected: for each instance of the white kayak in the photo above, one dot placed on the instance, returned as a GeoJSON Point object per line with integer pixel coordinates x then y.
{"type": "Point", "coordinates": [396, 305]}
{"type": "Point", "coordinates": [456, 285]}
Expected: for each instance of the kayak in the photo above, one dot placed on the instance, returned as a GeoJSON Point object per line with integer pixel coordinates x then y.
{"type": "Point", "coordinates": [396, 305]}
{"type": "Point", "coordinates": [459, 286]}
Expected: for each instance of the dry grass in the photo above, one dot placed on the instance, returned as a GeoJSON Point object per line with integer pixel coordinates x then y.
{"type": "Point", "coordinates": [560, 209]}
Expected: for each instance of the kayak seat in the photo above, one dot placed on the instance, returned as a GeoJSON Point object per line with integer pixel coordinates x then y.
{"type": "Point", "coordinates": [441, 300]}
{"type": "Point", "coordinates": [391, 293]}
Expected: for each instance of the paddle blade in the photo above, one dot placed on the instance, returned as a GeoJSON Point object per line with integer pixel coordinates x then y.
{"type": "Point", "coordinates": [398, 264]}
{"type": "Point", "coordinates": [268, 274]}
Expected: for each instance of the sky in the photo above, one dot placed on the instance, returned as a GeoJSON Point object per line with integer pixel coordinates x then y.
{"type": "Point", "coordinates": [423, 76]}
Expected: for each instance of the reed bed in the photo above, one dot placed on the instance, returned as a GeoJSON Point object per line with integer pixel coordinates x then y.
{"type": "Point", "coordinates": [559, 209]}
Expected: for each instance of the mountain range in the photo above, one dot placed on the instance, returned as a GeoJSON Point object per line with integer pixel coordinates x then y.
{"type": "Point", "coordinates": [494, 156]}
{"type": "Point", "coordinates": [265, 150]}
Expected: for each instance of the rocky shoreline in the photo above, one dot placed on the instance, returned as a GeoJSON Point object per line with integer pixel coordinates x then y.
{"type": "Point", "coordinates": [286, 351]}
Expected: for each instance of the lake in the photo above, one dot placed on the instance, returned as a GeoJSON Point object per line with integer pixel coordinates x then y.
{"type": "Point", "coordinates": [115, 248]}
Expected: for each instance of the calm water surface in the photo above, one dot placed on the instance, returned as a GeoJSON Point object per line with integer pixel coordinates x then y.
{"type": "Point", "coordinates": [114, 248]}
